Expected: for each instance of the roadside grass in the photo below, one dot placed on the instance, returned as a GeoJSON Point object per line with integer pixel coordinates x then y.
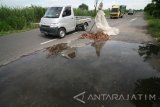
{"type": "Point", "coordinates": [19, 19]}
{"type": "Point", "coordinates": [13, 31]}
{"type": "Point", "coordinates": [153, 26]}
{"type": "Point", "coordinates": [27, 28]}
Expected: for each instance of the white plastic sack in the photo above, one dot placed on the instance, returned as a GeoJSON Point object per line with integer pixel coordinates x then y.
{"type": "Point", "coordinates": [102, 24]}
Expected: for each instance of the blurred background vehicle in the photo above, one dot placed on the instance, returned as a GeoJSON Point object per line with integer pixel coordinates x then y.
{"type": "Point", "coordinates": [118, 11]}
{"type": "Point", "coordinates": [130, 12]}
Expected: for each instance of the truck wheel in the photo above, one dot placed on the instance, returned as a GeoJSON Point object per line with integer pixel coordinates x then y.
{"type": "Point", "coordinates": [45, 34]}
{"type": "Point", "coordinates": [62, 33]}
{"type": "Point", "coordinates": [84, 27]}
{"type": "Point", "coordinates": [76, 28]}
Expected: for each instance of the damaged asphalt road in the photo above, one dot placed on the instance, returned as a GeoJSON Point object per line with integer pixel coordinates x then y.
{"type": "Point", "coordinates": [53, 76]}
{"type": "Point", "coordinates": [63, 69]}
{"type": "Point", "coordinates": [14, 46]}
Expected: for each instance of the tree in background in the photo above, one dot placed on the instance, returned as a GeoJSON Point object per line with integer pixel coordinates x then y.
{"type": "Point", "coordinates": [83, 6]}
{"type": "Point", "coordinates": [156, 1]}
{"type": "Point", "coordinates": [156, 11]}
{"type": "Point", "coordinates": [149, 8]}
{"type": "Point", "coordinates": [153, 8]}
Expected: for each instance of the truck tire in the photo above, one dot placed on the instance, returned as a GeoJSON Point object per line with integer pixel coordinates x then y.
{"type": "Point", "coordinates": [84, 27]}
{"type": "Point", "coordinates": [45, 34]}
{"type": "Point", "coordinates": [61, 33]}
{"type": "Point", "coordinates": [76, 28]}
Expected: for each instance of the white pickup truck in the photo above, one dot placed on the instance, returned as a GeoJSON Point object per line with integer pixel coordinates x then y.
{"type": "Point", "coordinates": [59, 20]}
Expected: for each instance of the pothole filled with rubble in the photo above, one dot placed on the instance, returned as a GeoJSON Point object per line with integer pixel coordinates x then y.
{"type": "Point", "coordinates": [99, 36]}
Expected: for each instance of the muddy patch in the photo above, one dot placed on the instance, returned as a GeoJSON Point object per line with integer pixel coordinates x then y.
{"type": "Point", "coordinates": [56, 49]}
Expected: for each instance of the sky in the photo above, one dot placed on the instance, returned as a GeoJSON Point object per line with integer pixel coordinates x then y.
{"type": "Point", "coordinates": [131, 4]}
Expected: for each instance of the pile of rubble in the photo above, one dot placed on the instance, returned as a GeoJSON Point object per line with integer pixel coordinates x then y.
{"type": "Point", "coordinates": [99, 36]}
{"type": "Point", "coordinates": [56, 49]}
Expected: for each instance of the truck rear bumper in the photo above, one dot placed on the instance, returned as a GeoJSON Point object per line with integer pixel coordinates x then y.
{"type": "Point", "coordinates": [48, 30]}
{"type": "Point", "coordinates": [114, 16]}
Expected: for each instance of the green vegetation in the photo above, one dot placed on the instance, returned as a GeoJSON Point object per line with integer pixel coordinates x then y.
{"type": "Point", "coordinates": [154, 26]}
{"type": "Point", "coordinates": [32, 26]}
{"type": "Point", "coordinates": [83, 6]}
{"type": "Point", "coordinates": [153, 8]}
{"type": "Point", "coordinates": [81, 12]}
{"type": "Point", "coordinates": [152, 13]}
{"type": "Point", "coordinates": [16, 19]}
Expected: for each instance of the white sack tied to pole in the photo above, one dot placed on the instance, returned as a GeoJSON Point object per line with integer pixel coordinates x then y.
{"type": "Point", "coordinates": [102, 24]}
